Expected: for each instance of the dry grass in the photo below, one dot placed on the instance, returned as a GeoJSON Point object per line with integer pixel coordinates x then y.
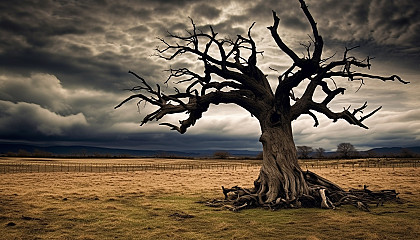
{"type": "Point", "coordinates": [152, 205]}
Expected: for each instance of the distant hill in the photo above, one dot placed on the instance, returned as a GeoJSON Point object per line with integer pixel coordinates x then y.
{"type": "Point", "coordinates": [82, 151]}
{"type": "Point", "coordinates": [87, 151]}
{"type": "Point", "coordinates": [236, 153]}
{"type": "Point", "coordinates": [100, 151]}
{"type": "Point", "coordinates": [384, 151]}
{"type": "Point", "coordinates": [395, 150]}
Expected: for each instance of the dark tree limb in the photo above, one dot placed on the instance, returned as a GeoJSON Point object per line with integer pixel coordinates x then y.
{"type": "Point", "coordinates": [279, 41]}
{"type": "Point", "coordinates": [345, 115]}
{"type": "Point", "coordinates": [319, 43]}
{"type": "Point", "coordinates": [316, 124]}
{"type": "Point", "coordinates": [351, 76]}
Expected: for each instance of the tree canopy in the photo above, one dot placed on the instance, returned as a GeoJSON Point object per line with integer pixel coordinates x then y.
{"type": "Point", "coordinates": [231, 75]}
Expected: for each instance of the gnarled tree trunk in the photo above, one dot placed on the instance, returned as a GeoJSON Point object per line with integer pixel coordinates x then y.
{"type": "Point", "coordinates": [280, 178]}
{"type": "Point", "coordinates": [282, 183]}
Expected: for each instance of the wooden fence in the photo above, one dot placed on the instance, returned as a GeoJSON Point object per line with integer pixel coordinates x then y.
{"type": "Point", "coordinates": [13, 167]}
{"type": "Point", "coordinates": [365, 163]}
{"type": "Point", "coordinates": [102, 167]}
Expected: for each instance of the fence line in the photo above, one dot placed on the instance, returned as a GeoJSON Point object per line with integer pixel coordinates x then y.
{"type": "Point", "coordinates": [13, 167]}
{"type": "Point", "coordinates": [379, 163]}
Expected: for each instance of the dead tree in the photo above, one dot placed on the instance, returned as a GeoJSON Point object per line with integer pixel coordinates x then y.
{"type": "Point", "coordinates": [231, 76]}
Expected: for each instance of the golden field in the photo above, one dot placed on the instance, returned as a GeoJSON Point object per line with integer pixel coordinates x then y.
{"type": "Point", "coordinates": [164, 205]}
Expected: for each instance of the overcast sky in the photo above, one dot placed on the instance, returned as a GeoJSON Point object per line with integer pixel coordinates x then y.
{"type": "Point", "coordinates": [64, 64]}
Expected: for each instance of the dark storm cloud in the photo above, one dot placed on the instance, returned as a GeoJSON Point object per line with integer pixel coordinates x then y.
{"type": "Point", "coordinates": [206, 11]}
{"type": "Point", "coordinates": [28, 121]}
{"type": "Point", "coordinates": [63, 39]}
{"type": "Point", "coordinates": [95, 72]}
{"type": "Point", "coordinates": [36, 24]}
{"type": "Point", "coordinates": [63, 65]}
{"type": "Point", "coordinates": [392, 23]}
{"type": "Point", "coordinates": [173, 141]}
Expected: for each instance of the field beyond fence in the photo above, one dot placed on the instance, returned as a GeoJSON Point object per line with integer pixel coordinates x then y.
{"type": "Point", "coordinates": [163, 199]}
{"type": "Point", "coordinates": [44, 165]}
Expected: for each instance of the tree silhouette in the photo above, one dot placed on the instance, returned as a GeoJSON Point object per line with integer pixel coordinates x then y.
{"type": "Point", "coordinates": [346, 150]}
{"type": "Point", "coordinates": [304, 151]}
{"type": "Point", "coordinates": [320, 152]}
{"type": "Point", "coordinates": [231, 76]}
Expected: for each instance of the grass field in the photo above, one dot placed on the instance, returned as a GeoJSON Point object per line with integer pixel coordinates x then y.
{"type": "Point", "coordinates": [163, 205]}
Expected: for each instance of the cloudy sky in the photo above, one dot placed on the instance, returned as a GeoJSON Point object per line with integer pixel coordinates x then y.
{"type": "Point", "coordinates": [64, 64]}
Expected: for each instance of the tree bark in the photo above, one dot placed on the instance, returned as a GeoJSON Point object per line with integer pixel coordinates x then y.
{"type": "Point", "coordinates": [281, 179]}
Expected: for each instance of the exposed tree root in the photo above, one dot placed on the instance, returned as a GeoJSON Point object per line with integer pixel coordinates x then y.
{"type": "Point", "coordinates": [322, 193]}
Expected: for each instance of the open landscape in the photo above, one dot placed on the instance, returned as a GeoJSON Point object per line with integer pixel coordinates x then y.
{"type": "Point", "coordinates": [209, 120]}
{"type": "Point", "coordinates": [166, 203]}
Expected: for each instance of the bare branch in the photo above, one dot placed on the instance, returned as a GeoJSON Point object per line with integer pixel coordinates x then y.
{"type": "Point", "coordinates": [302, 105]}
{"type": "Point", "coordinates": [360, 109]}
{"type": "Point", "coordinates": [348, 50]}
{"type": "Point", "coordinates": [328, 58]}
{"type": "Point", "coordinates": [280, 43]}
{"type": "Point", "coordinates": [197, 107]}
{"type": "Point", "coordinates": [219, 85]}
{"type": "Point", "coordinates": [345, 114]}
{"type": "Point", "coordinates": [138, 96]}
{"type": "Point", "coordinates": [173, 127]}
{"type": "Point", "coordinates": [286, 74]}
{"type": "Point", "coordinates": [307, 47]}
{"type": "Point", "coordinates": [197, 104]}
{"type": "Point", "coordinates": [143, 81]}
{"type": "Point", "coordinates": [331, 94]}
{"type": "Point", "coordinates": [319, 43]}
{"type": "Point", "coordinates": [316, 124]}
{"type": "Point", "coordinates": [365, 75]}
{"type": "Point", "coordinates": [370, 114]}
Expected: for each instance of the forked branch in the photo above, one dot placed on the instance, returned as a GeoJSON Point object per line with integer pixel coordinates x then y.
{"type": "Point", "coordinates": [319, 43]}
{"type": "Point", "coordinates": [346, 115]}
